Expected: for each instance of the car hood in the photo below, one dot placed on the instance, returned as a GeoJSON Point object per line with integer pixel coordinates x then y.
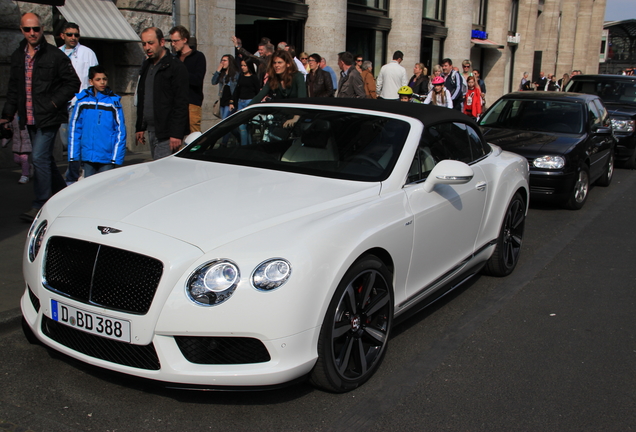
{"type": "Point", "coordinates": [203, 203]}
{"type": "Point", "coordinates": [621, 110]}
{"type": "Point", "coordinates": [529, 143]}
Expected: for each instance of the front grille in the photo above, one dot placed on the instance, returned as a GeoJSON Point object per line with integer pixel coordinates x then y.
{"type": "Point", "coordinates": [541, 190]}
{"type": "Point", "coordinates": [222, 350]}
{"type": "Point", "coordinates": [137, 356]}
{"type": "Point", "coordinates": [101, 275]}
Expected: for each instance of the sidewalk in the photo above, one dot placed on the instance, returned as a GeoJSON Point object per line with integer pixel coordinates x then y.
{"type": "Point", "coordinates": [17, 198]}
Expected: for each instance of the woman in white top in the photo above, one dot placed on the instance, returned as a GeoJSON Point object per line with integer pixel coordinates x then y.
{"type": "Point", "coordinates": [439, 95]}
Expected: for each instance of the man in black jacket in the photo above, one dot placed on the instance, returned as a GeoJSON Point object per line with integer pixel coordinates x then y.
{"type": "Point", "coordinates": [162, 97]}
{"type": "Point", "coordinates": [41, 83]}
{"type": "Point", "coordinates": [195, 63]}
{"type": "Point", "coordinates": [318, 81]}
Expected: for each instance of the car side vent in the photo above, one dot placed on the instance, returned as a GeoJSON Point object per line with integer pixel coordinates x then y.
{"type": "Point", "coordinates": [35, 301]}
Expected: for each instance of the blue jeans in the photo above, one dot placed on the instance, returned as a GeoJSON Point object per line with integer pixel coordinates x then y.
{"type": "Point", "coordinates": [91, 168]}
{"type": "Point", "coordinates": [246, 138]}
{"type": "Point", "coordinates": [46, 176]}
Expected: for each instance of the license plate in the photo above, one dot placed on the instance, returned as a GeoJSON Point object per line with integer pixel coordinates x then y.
{"type": "Point", "coordinates": [90, 322]}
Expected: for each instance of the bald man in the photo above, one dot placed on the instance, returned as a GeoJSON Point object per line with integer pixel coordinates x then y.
{"type": "Point", "coordinates": [41, 84]}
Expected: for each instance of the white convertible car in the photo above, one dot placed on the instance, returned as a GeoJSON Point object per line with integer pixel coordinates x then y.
{"type": "Point", "coordinates": [281, 244]}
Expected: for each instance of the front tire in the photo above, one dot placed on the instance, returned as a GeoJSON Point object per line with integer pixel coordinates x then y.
{"type": "Point", "coordinates": [504, 260]}
{"type": "Point", "coordinates": [356, 329]}
{"type": "Point", "coordinates": [579, 193]}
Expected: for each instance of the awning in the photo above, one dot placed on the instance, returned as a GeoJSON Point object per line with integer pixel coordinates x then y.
{"type": "Point", "coordinates": [482, 43]}
{"type": "Point", "coordinates": [98, 19]}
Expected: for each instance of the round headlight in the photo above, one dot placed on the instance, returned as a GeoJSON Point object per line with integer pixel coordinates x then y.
{"type": "Point", "coordinates": [213, 283]}
{"type": "Point", "coordinates": [35, 240]}
{"type": "Point", "coordinates": [271, 274]}
{"type": "Point", "coordinates": [549, 162]}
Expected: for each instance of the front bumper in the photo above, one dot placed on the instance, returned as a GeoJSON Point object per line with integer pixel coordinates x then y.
{"type": "Point", "coordinates": [551, 184]}
{"type": "Point", "coordinates": [290, 357]}
{"type": "Point", "coordinates": [625, 146]}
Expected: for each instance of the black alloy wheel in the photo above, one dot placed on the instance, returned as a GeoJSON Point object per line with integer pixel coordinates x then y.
{"type": "Point", "coordinates": [506, 255]}
{"type": "Point", "coordinates": [579, 192]}
{"type": "Point", "coordinates": [355, 332]}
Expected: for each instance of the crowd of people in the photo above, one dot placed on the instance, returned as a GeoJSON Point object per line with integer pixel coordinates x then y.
{"type": "Point", "coordinates": [546, 83]}
{"type": "Point", "coordinates": [66, 90]}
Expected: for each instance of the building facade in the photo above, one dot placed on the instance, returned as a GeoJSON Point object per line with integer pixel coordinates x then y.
{"type": "Point", "coordinates": [501, 38]}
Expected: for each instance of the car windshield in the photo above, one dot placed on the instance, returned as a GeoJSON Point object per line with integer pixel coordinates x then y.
{"type": "Point", "coordinates": [535, 115]}
{"type": "Point", "coordinates": [326, 143]}
{"type": "Point", "coordinates": [609, 90]}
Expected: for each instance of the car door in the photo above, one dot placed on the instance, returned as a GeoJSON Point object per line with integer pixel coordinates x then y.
{"type": "Point", "coordinates": [447, 219]}
{"type": "Point", "coordinates": [599, 145]}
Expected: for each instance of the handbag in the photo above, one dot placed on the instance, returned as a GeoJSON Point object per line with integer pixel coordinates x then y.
{"type": "Point", "coordinates": [216, 109]}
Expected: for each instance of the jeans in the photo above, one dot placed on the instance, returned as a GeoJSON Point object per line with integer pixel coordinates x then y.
{"type": "Point", "coordinates": [158, 149]}
{"type": "Point", "coordinates": [246, 138]}
{"type": "Point", "coordinates": [91, 168]}
{"type": "Point", "coordinates": [46, 176]}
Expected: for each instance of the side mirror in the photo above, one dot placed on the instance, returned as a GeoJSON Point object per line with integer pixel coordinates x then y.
{"type": "Point", "coordinates": [450, 172]}
{"type": "Point", "coordinates": [190, 138]}
{"type": "Point", "coordinates": [603, 131]}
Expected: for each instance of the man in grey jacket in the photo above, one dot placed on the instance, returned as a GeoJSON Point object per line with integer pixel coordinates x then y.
{"type": "Point", "coordinates": [351, 84]}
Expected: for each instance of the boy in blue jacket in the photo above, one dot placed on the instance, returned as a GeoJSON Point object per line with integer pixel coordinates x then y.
{"type": "Point", "coordinates": [97, 130]}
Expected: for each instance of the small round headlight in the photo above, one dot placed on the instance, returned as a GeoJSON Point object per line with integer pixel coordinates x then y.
{"type": "Point", "coordinates": [213, 283]}
{"type": "Point", "coordinates": [35, 239]}
{"type": "Point", "coordinates": [271, 274]}
{"type": "Point", "coordinates": [549, 162]}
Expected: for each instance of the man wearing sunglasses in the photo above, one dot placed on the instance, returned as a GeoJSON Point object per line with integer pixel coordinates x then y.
{"type": "Point", "coordinates": [41, 83]}
{"type": "Point", "coordinates": [82, 58]}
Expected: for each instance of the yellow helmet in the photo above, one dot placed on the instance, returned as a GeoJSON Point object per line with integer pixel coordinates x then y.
{"type": "Point", "coordinates": [405, 90]}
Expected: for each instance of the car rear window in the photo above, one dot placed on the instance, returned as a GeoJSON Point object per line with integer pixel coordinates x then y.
{"type": "Point", "coordinates": [610, 91]}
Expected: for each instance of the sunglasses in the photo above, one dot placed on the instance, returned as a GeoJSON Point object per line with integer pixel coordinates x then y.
{"type": "Point", "coordinates": [72, 35]}
{"type": "Point", "coordinates": [28, 29]}
{"type": "Point", "coordinates": [466, 67]}
{"type": "Point", "coordinates": [359, 60]}
{"type": "Point", "coordinates": [303, 58]}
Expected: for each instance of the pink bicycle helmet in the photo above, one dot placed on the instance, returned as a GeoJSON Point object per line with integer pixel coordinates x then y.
{"type": "Point", "coordinates": [438, 80]}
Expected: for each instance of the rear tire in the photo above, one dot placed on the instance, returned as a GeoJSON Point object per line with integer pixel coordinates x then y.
{"type": "Point", "coordinates": [356, 329]}
{"type": "Point", "coordinates": [504, 260]}
{"type": "Point", "coordinates": [607, 176]}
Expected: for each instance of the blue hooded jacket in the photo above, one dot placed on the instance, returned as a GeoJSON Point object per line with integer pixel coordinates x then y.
{"type": "Point", "coordinates": [97, 130]}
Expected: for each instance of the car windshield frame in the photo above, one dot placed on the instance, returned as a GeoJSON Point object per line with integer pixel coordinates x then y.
{"type": "Point", "coordinates": [334, 143]}
{"type": "Point", "coordinates": [537, 115]}
{"type": "Point", "coordinates": [610, 90]}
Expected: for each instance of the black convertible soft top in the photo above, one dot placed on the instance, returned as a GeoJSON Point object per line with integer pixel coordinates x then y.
{"type": "Point", "coordinates": [427, 114]}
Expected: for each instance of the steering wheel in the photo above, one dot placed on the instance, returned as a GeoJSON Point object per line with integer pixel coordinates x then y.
{"type": "Point", "coordinates": [369, 160]}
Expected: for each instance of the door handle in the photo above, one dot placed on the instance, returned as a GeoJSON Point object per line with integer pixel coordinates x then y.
{"type": "Point", "coordinates": [481, 186]}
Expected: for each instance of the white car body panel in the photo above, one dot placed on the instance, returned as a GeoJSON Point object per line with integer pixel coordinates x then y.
{"type": "Point", "coordinates": [186, 213]}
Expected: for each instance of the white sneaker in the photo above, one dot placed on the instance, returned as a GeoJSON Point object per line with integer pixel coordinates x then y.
{"type": "Point", "coordinates": [23, 180]}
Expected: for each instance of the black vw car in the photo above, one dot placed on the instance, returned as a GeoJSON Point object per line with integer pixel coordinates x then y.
{"type": "Point", "coordinates": [618, 93]}
{"type": "Point", "coordinates": [567, 139]}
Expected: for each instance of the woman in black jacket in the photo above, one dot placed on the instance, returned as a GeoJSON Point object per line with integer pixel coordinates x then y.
{"type": "Point", "coordinates": [419, 80]}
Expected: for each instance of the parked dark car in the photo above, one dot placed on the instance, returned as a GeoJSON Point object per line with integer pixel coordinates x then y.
{"type": "Point", "coordinates": [566, 137]}
{"type": "Point", "coordinates": [618, 93]}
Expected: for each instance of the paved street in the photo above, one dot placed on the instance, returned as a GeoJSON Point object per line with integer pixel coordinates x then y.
{"type": "Point", "coordinates": [552, 347]}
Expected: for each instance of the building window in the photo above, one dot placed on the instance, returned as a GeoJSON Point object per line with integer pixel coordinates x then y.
{"type": "Point", "coordinates": [377, 4]}
{"type": "Point", "coordinates": [479, 13]}
{"type": "Point", "coordinates": [434, 9]}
